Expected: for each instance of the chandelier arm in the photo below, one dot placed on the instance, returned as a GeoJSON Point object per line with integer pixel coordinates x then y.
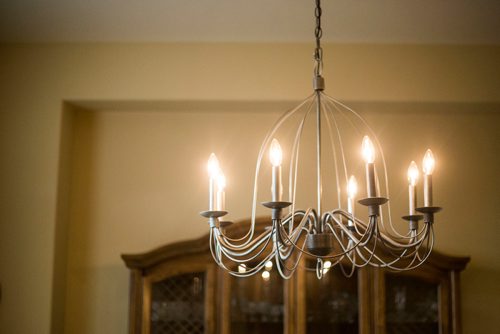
{"type": "Point", "coordinates": [371, 251]}
{"type": "Point", "coordinates": [294, 236]}
{"type": "Point", "coordinates": [427, 247]}
{"type": "Point", "coordinates": [282, 262]}
{"type": "Point", "coordinates": [258, 239]}
{"type": "Point", "coordinates": [368, 233]}
{"type": "Point", "coordinates": [234, 256]}
{"type": "Point", "coordinates": [396, 244]}
{"type": "Point", "coordinates": [372, 133]}
{"type": "Point", "coordinates": [294, 239]}
{"type": "Point", "coordinates": [278, 123]}
{"type": "Point", "coordinates": [421, 261]}
{"type": "Point", "coordinates": [228, 239]}
{"type": "Point", "coordinates": [212, 243]}
{"type": "Point", "coordinates": [251, 271]}
{"type": "Point", "coordinates": [405, 252]}
{"type": "Point", "coordinates": [328, 114]}
{"type": "Point", "coordinates": [279, 265]}
{"type": "Point", "coordinates": [358, 242]}
{"type": "Point", "coordinates": [290, 218]}
{"type": "Point", "coordinates": [381, 263]}
{"type": "Point", "coordinates": [224, 239]}
{"type": "Point", "coordinates": [230, 254]}
{"type": "Point", "coordinates": [284, 247]}
{"type": "Point", "coordinates": [297, 231]}
{"type": "Point", "coordinates": [245, 251]}
{"type": "Point", "coordinates": [418, 248]}
{"type": "Point", "coordinates": [351, 261]}
{"type": "Point", "coordinates": [389, 238]}
{"type": "Point", "coordinates": [295, 158]}
{"type": "Point", "coordinates": [410, 266]}
{"type": "Point", "coordinates": [355, 220]}
{"type": "Point", "coordinates": [420, 232]}
{"type": "Point", "coordinates": [394, 250]}
{"type": "Point", "coordinates": [287, 250]}
{"type": "Point", "coordinates": [347, 250]}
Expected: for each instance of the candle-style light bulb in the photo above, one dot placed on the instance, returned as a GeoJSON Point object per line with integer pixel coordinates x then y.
{"type": "Point", "coordinates": [352, 187]}
{"type": "Point", "coordinates": [221, 194]}
{"type": "Point", "coordinates": [213, 166]}
{"type": "Point", "coordinates": [276, 157]}
{"type": "Point", "coordinates": [275, 153]}
{"type": "Point", "coordinates": [221, 181]}
{"type": "Point", "coordinates": [428, 163]}
{"type": "Point", "coordinates": [412, 189]}
{"type": "Point", "coordinates": [266, 275]}
{"type": "Point", "coordinates": [369, 155]}
{"type": "Point", "coordinates": [213, 171]}
{"type": "Point", "coordinates": [368, 150]}
{"type": "Point", "coordinates": [269, 265]}
{"type": "Point", "coordinates": [413, 174]}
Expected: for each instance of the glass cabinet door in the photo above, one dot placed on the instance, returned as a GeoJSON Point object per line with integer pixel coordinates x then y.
{"type": "Point", "coordinates": [256, 304]}
{"type": "Point", "coordinates": [411, 305]}
{"type": "Point", "coordinates": [331, 302]}
{"type": "Point", "coordinates": [177, 305]}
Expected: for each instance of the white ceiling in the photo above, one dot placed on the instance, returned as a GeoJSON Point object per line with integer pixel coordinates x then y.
{"type": "Point", "coordinates": [357, 21]}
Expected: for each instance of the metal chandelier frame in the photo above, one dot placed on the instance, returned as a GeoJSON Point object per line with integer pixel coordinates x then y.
{"type": "Point", "coordinates": [335, 237]}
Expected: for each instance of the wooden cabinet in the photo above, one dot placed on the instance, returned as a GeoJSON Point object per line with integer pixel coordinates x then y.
{"type": "Point", "coordinates": [178, 288]}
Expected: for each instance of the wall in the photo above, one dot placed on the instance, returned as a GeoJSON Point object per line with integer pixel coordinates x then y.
{"type": "Point", "coordinates": [454, 89]}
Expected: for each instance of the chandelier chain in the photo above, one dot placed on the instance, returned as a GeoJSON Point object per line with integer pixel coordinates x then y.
{"type": "Point", "coordinates": [318, 33]}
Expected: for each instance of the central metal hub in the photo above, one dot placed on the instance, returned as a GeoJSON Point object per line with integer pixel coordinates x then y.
{"type": "Point", "coordinates": [320, 244]}
{"type": "Point", "coordinates": [318, 83]}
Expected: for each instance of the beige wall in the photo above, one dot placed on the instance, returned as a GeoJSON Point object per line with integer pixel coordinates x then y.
{"type": "Point", "coordinates": [46, 225]}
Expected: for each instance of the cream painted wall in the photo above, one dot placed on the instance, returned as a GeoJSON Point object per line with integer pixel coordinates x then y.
{"type": "Point", "coordinates": [455, 88]}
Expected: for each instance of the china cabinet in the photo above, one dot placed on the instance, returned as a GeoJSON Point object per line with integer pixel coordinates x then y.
{"type": "Point", "coordinates": [178, 288]}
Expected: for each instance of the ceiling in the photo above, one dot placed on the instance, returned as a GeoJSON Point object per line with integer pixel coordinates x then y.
{"type": "Point", "coordinates": [349, 21]}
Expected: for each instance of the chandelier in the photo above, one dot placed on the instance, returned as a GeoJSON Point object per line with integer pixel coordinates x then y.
{"type": "Point", "coordinates": [317, 132]}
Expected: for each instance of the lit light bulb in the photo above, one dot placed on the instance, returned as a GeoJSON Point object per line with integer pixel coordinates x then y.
{"type": "Point", "coordinates": [269, 265]}
{"type": "Point", "coordinates": [326, 266]}
{"type": "Point", "coordinates": [275, 153]}
{"type": "Point", "coordinates": [352, 187]}
{"type": "Point", "coordinates": [266, 275]}
{"type": "Point", "coordinates": [413, 174]}
{"type": "Point", "coordinates": [429, 163]}
{"type": "Point", "coordinates": [213, 166]}
{"type": "Point", "coordinates": [368, 150]}
{"type": "Point", "coordinates": [242, 268]}
{"type": "Point", "coordinates": [221, 181]}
